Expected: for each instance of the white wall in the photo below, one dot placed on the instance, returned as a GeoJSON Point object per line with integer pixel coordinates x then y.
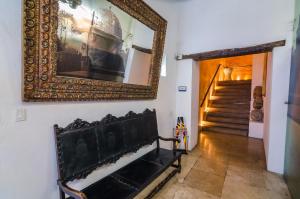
{"type": "Point", "coordinates": [275, 109]}
{"type": "Point", "coordinates": [183, 99]}
{"type": "Point", "coordinates": [256, 129]}
{"type": "Point", "coordinates": [187, 102]}
{"type": "Point", "coordinates": [195, 104]}
{"type": "Point", "coordinates": [267, 105]}
{"type": "Point", "coordinates": [213, 25]}
{"type": "Point", "coordinates": [257, 73]}
{"type": "Point", "coordinates": [277, 121]}
{"type": "Point", "coordinates": [27, 149]}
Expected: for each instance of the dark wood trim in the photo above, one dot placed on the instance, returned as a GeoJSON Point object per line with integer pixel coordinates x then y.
{"type": "Point", "coordinates": [263, 48]}
{"type": "Point", "coordinates": [144, 50]}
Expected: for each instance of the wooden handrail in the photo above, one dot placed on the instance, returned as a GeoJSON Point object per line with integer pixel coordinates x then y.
{"type": "Point", "coordinates": [207, 91]}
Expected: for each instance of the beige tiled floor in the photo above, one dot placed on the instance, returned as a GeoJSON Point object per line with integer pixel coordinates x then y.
{"type": "Point", "coordinates": [223, 167]}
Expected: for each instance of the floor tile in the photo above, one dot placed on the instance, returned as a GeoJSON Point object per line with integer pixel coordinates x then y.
{"type": "Point", "coordinates": [179, 191]}
{"type": "Point", "coordinates": [214, 155]}
{"type": "Point", "coordinates": [276, 186]}
{"type": "Point", "coordinates": [252, 177]}
{"type": "Point", "coordinates": [187, 163]}
{"type": "Point", "coordinates": [205, 182]}
{"type": "Point", "coordinates": [234, 190]}
{"type": "Point", "coordinates": [250, 162]}
{"type": "Point", "coordinates": [223, 166]}
{"type": "Point", "coordinates": [210, 166]}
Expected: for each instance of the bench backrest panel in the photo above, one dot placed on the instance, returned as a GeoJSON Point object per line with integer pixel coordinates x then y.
{"type": "Point", "coordinates": [150, 126]}
{"type": "Point", "coordinates": [78, 151]}
{"type": "Point", "coordinates": [111, 141]}
{"type": "Point", "coordinates": [83, 146]}
{"type": "Point", "coordinates": [133, 133]}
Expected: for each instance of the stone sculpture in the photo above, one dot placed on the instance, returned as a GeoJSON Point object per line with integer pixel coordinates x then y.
{"type": "Point", "coordinates": [257, 114]}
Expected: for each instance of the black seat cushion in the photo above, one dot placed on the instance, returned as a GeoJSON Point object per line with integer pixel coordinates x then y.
{"type": "Point", "coordinates": [139, 173]}
{"type": "Point", "coordinates": [162, 156]}
{"type": "Point", "coordinates": [145, 169]}
{"type": "Point", "coordinates": [109, 188]}
{"type": "Point", "coordinates": [128, 181]}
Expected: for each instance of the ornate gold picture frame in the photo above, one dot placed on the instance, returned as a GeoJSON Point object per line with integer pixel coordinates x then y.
{"type": "Point", "coordinates": [40, 58]}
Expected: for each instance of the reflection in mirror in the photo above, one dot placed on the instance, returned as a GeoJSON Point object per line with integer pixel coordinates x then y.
{"type": "Point", "coordinates": [97, 40]}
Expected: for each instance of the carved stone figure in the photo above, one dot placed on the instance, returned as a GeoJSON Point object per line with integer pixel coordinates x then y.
{"type": "Point", "coordinates": [258, 103]}
{"type": "Point", "coordinates": [257, 114]}
{"type": "Point", "coordinates": [257, 91]}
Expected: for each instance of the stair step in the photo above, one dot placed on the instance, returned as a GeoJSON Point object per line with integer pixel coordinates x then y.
{"type": "Point", "coordinates": [234, 83]}
{"type": "Point", "coordinates": [234, 87]}
{"type": "Point", "coordinates": [233, 106]}
{"type": "Point", "coordinates": [226, 130]}
{"type": "Point", "coordinates": [223, 89]}
{"type": "Point", "coordinates": [227, 120]}
{"type": "Point", "coordinates": [227, 125]}
{"type": "Point", "coordinates": [237, 109]}
{"type": "Point", "coordinates": [233, 93]}
{"type": "Point", "coordinates": [224, 97]}
{"type": "Point", "coordinates": [230, 101]}
{"type": "Point", "coordinates": [237, 81]}
{"type": "Point", "coordinates": [228, 115]}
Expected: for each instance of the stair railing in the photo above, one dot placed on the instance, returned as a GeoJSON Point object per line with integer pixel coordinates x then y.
{"type": "Point", "coordinates": [211, 83]}
{"type": "Point", "coordinates": [203, 110]}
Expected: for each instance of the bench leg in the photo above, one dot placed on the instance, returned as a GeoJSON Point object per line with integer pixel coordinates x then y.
{"type": "Point", "coordinates": [179, 164]}
{"type": "Point", "coordinates": [61, 194]}
{"type": "Point", "coordinates": [161, 184]}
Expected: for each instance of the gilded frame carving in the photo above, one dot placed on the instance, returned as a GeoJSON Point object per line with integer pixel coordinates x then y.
{"type": "Point", "coordinates": [39, 54]}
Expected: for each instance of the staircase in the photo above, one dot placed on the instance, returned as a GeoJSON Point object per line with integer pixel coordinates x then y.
{"type": "Point", "coordinates": [228, 108]}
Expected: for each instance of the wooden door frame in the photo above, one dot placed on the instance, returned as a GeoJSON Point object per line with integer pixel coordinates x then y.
{"type": "Point", "coordinates": [233, 52]}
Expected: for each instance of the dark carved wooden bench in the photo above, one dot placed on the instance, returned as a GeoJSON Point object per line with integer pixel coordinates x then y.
{"type": "Point", "coordinates": [83, 147]}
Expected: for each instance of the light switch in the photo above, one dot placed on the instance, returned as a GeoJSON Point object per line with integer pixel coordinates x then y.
{"type": "Point", "coordinates": [21, 115]}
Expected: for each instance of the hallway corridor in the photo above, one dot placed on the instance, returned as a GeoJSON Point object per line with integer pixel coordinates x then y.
{"type": "Point", "coordinates": [227, 167]}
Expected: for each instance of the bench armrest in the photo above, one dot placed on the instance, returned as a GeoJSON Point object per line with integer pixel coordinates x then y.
{"type": "Point", "coordinates": [71, 192]}
{"type": "Point", "coordinates": [174, 140]}
{"type": "Point", "coordinates": [169, 139]}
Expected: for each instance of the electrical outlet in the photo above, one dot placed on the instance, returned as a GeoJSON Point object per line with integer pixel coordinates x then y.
{"type": "Point", "coordinates": [21, 115]}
